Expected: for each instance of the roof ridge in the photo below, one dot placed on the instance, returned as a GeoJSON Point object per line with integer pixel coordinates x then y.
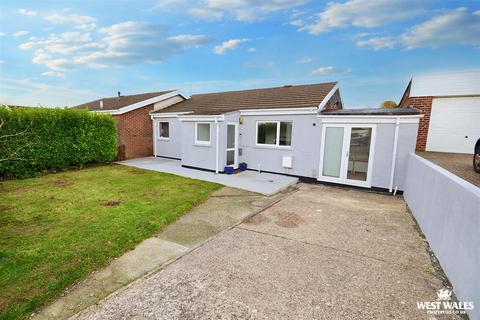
{"type": "Point", "coordinates": [267, 88]}
{"type": "Point", "coordinates": [137, 94]}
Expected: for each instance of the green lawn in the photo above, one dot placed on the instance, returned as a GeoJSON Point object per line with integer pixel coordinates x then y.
{"type": "Point", "coordinates": [58, 228]}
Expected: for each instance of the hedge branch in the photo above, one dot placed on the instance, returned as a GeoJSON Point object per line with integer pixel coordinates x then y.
{"type": "Point", "coordinates": [12, 156]}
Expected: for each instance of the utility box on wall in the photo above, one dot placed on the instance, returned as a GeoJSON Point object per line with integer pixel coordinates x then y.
{"type": "Point", "coordinates": [287, 162]}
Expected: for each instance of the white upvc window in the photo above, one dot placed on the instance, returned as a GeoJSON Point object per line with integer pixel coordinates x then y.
{"type": "Point", "coordinates": [164, 130]}
{"type": "Point", "coordinates": [202, 133]}
{"type": "Point", "coordinates": [274, 133]}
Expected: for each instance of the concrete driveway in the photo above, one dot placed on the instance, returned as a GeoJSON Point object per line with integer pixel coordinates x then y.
{"type": "Point", "coordinates": [320, 253]}
{"type": "Point", "coordinates": [459, 164]}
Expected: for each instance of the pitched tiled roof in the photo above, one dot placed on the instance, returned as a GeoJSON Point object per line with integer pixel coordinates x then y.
{"type": "Point", "coordinates": [281, 97]}
{"type": "Point", "coordinates": [116, 103]}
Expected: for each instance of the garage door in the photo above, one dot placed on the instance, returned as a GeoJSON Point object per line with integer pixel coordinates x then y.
{"type": "Point", "coordinates": [454, 125]}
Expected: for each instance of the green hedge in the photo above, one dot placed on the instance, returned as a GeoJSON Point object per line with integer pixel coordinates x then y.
{"type": "Point", "coordinates": [38, 139]}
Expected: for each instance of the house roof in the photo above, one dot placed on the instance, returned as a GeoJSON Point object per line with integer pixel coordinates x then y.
{"type": "Point", "coordinates": [298, 96]}
{"type": "Point", "coordinates": [116, 103]}
{"type": "Point", "coordinates": [458, 83]}
{"type": "Point", "coordinates": [372, 112]}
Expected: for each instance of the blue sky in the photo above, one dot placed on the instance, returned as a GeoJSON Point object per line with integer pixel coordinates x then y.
{"type": "Point", "coordinates": [58, 53]}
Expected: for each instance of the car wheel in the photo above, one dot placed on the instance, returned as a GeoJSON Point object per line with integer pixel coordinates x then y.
{"type": "Point", "coordinates": [476, 159]}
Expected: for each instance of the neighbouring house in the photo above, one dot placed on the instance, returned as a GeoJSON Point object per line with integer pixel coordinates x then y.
{"type": "Point", "coordinates": [134, 127]}
{"type": "Point", "coordinates": [299, 130]}
{"type": "Point", "coordinates": [450, 103]}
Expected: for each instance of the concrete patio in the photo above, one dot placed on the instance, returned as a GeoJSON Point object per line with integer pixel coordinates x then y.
{"type": "Point", "coordinates": [264, 183]}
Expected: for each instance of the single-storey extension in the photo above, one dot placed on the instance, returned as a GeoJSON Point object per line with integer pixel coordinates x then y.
{"type": "Point", "coordinates": [450, 103]}
{"type": "Point", "coordinates": [134, 127]}
{"type": "Point", "coordinates": [298, 130]}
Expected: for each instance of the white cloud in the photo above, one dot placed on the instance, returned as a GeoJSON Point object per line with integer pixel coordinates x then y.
{"type": "Point", "coordinates": [305, 60]}
{"type": "Point", "coordinates": [44, 58]}
{"type": "Point", "coordinates": [121, 44]}
{"type": "Point", "coordinates": [205, 14]}
{"type": "Point", "coordinates": [164, 4]}
{"type": "Point", "coordinates": [252, 49]}
{"type": "Point", "coordinates": [2, 34]}
{"type": "Point", "coordinates": [362, 13]}
{"type": "Point", "coordinates": [242, 10]}
{"type": "Point", "coordinates": [456, 26]}
{"type": "Point", "coordinates": [378, 43]}
{"type": "Point", "coordinates": [297, 23]}
{"type": "Point", "coordinates": [31, 93]}
{"type": "Point", "coordinates": [228, 45]}
{"type": "Point", "coordinates": [322, 71]}
{"type": "Point", "coordinates": [190, 40]}
{"type": "Point", "coordinates": [27, 12]}
{"type": "Point", "coordinates": [55, 74]}
{"type": "Point", "coordinates": [79, 21]}
{"type": "Point", "coordinates": [20, 33]}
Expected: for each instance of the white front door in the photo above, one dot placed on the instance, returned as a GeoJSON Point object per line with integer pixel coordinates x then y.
{"type": "Point", "coordinates": [346, 154]}
{"type": "Point", "coordinates": [232, 145]}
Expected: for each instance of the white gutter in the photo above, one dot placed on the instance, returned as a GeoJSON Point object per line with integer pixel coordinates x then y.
{"type": "Point", "coordinates": [199, 118]}
{"type": "Point", "coordinates": [168, 114]}
{"type": "Point", "coordinates": [217, 145]}
{"type": "Point", "coordinates": [394, 155]}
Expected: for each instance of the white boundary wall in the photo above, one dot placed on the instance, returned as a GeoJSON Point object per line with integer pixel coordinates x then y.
{"type": "Point", "coordinates": [447, 208]}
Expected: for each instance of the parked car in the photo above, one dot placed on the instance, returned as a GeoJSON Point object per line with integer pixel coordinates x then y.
{"type": "Point", "coordinates": [476, 156]}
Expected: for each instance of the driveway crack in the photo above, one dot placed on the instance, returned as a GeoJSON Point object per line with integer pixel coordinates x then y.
{"type": "Point", "coordinates": [355, 254]}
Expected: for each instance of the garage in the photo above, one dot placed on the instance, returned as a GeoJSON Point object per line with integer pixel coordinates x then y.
{"type": "Point", "coordinates": [450, 105]}
{"type": "Point", "coordinates": [454, 125]}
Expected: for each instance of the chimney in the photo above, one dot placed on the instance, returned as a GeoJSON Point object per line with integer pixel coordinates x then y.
{"type": "Point", "coordinates": [101, 104]}
{"type": "Point", "coordinates": [118, 95]}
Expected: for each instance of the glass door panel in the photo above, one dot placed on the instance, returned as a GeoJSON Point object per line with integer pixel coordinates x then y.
{"type": "Point", "coordinates": [232, 153]}
{"type": "Point", "coordinates": [359, 153]}
{"type": "Point", "coordinates": [332, 154]}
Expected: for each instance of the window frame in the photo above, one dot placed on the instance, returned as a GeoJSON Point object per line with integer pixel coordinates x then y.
{"type": "Point", "coordinates": [159, 128]}
{"type": "Point", "coordinates": [201, 142]}
{"type": "Point", "coordinates": [277, 138]}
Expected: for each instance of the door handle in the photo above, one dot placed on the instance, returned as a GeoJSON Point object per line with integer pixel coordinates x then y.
{"type": "Point", "coordinates": [346, 154]}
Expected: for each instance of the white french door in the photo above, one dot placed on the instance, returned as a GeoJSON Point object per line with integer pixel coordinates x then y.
{"type": "Point", "coordinates": [232, 145]}
{"type": "Point", "coordinates": [346, 153]}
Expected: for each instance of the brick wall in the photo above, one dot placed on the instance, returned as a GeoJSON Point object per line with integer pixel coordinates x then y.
{"type": "Point", "coordinates": [134, 133]}
{"type": "Point", "coordinates": [425, 105]}
{"type": "Point", "coordinates": [334, 103]}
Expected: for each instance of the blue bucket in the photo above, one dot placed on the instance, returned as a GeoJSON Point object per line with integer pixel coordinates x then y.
{"type": "Point", "coordinates": [228, 170]}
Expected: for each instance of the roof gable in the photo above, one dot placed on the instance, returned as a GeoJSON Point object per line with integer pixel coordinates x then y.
{"type": "Point", "coordinates": [116, 103]}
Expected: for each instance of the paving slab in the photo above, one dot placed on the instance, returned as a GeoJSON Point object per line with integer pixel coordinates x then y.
{"type": "Point", "coordinates": [265, 183]}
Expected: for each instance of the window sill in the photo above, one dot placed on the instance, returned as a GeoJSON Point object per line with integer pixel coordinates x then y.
{"type": "Point", "coordinates": [163, 139]}
{"type": "Point", "coordinates": [267, 146]}
{"type": "Point", "coordinates": [199, 144]}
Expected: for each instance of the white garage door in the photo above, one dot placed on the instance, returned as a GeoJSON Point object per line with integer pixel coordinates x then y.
{"type": "Point", "coordinates": [454, 125]}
